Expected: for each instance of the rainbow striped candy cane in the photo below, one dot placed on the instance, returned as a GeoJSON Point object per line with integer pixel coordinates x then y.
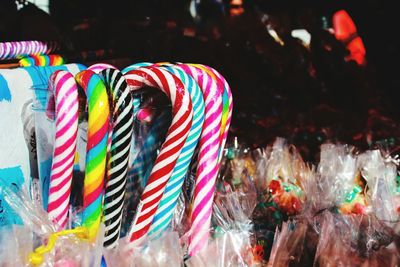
{"type": "Point", "coordinates": [98, 123]}
{"type": "Point", "coordinates": [207, 169]}
{"type": "Point", "coordinates": [166, 160]}
{"type": "Point", "coordinates": [66, 114]}
{"type": "Point", "coordinates": [166, 209]}
{"type": "Point", "coordinates": [41, 60]}
{"type": "Point", "coordinates": [122, 121]}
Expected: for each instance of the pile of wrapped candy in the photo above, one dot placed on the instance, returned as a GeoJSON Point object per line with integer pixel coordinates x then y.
{"type": "Point", "coordinates": [343, 211]}
{"type": "Point", "coordinates": [130, 168]}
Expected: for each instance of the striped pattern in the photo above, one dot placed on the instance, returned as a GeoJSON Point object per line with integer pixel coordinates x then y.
{"type": "Point", "coordinates": [136, 66]}
{"type": "Point", "coordinates": [207, 170]}
{"type": "Point", "coordinates": [177, 134]}
{"type": "Point", "coordinates": [227, 109]}
{"type": "Point", "coordinates": [98, 123]}
{"type": "Point", "coordinates": [10, 50]}
{"type": "Point", "coordinates": [41, 60]}
{"type": "Point", "coordinates": [122, 124]}
{"type": "Point", "coordinates": [97, 68]}
{"type": "Point", "coordinates": [66, 117]}
{"type": "Point", "coordinates": [166, 209]}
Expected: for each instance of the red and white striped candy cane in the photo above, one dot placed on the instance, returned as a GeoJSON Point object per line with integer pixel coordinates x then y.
{"type": "Point", "coordinates": [176, 136]}
{"type": "Point", "coordinates": [66, 114]}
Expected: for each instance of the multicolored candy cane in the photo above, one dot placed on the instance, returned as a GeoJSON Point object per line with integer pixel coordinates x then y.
{"type": "Point", "coordinates": [166, 209]}
{"type": "Point", "coordinates": [98, 123]}
{"type": "Point", "coordinates": [207, 169]}
{"type": "Point", "coordinates": [166, 160]}
{"type": "Point", "coordinates": [122, 124]}
{"type": "Point", "coordinates": [66, 116]}
{"type": "Point", "coordinates": [41, 60]}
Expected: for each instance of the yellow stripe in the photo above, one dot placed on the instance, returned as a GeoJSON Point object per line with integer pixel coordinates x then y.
{"type": "Point", "coordinates": [92, 178]}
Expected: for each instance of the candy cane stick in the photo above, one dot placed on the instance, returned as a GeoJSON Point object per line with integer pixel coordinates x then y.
{"type": "Point", "coordinates": [166, 209]}
{"type": "Point", "coordinates": [66, 113]}
{"type": "Point", "coordinates": [227, 101]}
{"type": "Point", "coordinates": [97, 68]}
{"type": "Point", "coordinates": [136, 66]}
{"type": "Point", "coordinates": [11, 50]}
{"type": "Point", "coordinates": [177, 134]}
{"type": "Point", "coordinates": [207, 170]}
{"type": "Point", "coordinates": [122, 121]}
{"type": "Point", "coordinates": [98, 124]}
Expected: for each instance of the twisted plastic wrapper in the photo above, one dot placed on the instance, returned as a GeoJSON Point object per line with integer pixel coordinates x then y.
{"type": "Point", "coordinates": [233, 229]}
{"type": "Point", "coordinates": [380, 175]}
{"type": "Point", "coordinates": [337, 172]}
{"type": "Point", "coordinates": [355, 241]}
{"type": "Point", "coordinates": [288, 245]}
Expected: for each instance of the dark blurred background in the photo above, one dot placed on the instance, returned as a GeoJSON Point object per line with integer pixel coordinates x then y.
{"type": "Point", "coordinates": [308, 92]}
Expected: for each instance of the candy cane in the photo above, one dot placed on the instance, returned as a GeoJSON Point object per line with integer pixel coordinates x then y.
{"type": "Point", "coordinates": [97, 68]}
{"type": "Point", "coordinates": [166, 209]}
{"type": "Point", "coordinates": [136, 66]}
{"type": "Point", "coordinates": [11, 50]}
{"type": "Point", "coordinates": [41, 60]}
{"type": "Point", "coordinates": [227, 101]}
{"type": "Point", "coordinates": [177, 134]}
{"type": "Point", "coordinates": [122, 121]}
{"type": "Point", "coordinates": [98, 124]}
{"type": "Point", "coordinates": [207, 170]}
{"type": "Point", "coordinates": [66, 113]}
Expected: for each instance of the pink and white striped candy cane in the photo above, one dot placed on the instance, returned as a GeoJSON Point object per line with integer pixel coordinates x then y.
{"type": "Point", "coordinates": [177, 134]}
{"type": "Point", "coordinates": [66, 114]}
{"type": "Point", "coordinates": [227, 89]}
{"type": "Point", "coordinates": [97, 68]}
{"type": "Point", "coordinates": [207, 169]}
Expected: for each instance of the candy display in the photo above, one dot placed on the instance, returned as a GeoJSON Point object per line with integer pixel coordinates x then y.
{"type": "Point", "coordinates": [206, 133]}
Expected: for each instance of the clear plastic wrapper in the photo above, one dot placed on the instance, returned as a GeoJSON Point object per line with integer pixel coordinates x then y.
{"type": "Point", "coordinates": [340, 184]}
{"type": "Point", "coordinates": [289, 243]}
{"type": "Point", "coordinates": [349, 240]}
{"type": "Point", "coordinates": [231, 244]}
{"type": "Point", "coordinates": [152, 117]}
{"type": "Point", "coordinates": [37, 242]}
{"type": "Point", "coordinates": [161, 252]}
{"type": "Point", "coordinates": [380, 175]}
{"type": "Point", "coordinates": [44, 116]}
